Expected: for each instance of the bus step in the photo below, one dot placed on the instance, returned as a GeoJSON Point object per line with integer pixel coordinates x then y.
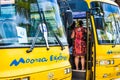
{"type": "Point", "coordinates": [77, 79]}
{"type": "Point", "coordinates": [78, 74]}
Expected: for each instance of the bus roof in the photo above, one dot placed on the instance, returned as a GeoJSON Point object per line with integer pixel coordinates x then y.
{"type": "Point", "coordinates": [106, 1]}
{"type": "Point", "coordinates": [79, 12]}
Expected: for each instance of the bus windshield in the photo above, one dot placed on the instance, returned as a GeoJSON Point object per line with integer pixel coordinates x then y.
{"type": "Point", "coordinates": [19, 21]}
{"type": "Point", "coordinates": [107, 24]}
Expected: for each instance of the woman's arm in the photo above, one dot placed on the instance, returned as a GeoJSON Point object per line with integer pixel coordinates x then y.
{"type": "Point", "coordinates": [73, 34]}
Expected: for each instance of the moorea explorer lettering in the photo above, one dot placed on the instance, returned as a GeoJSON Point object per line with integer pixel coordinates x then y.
{"type": "Point", "coordinates": [28, 60]}
{"type": "Point", "coordinates": [38, 60]}
{"type": "Point", "coordinates": [58, 58]}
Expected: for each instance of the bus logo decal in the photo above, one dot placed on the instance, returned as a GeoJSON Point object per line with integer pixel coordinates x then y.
{"type": "Point", "coordinates": [113, 52]}
{"type": "Point", "coordinates": [16, 63]}
{"type": "Point", "coordinates": [56, 58]}
{"type": "Point", "coordinates": [109, 52]}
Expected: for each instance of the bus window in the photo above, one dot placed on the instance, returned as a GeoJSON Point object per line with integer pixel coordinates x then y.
{"type": "Point", "coordinates": [7, 29]}
{"type": "Point", "coordinates": [107, 28]}
{"type": "Point", "coordinates": [77, 5]}
{"type": "Point", "coordinates": [20, 22]}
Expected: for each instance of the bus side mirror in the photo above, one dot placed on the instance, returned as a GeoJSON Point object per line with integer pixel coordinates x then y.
{"type": "Point", "coordinates": [69, 17]}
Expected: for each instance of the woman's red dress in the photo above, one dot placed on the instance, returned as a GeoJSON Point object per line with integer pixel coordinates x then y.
{"type": "Point", "coordinates": [79, 45]}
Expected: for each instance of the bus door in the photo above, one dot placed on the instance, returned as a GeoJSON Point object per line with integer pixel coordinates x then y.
{"type": "Point", "coordinates": [83, 74]}
{"type": "Point", "coordinates": [89, 54]}
{"type": "Point", "coordinates": [80, 13]}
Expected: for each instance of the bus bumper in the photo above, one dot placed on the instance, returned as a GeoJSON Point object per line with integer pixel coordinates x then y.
{"type": "Point", "coordinates": [54, 74]}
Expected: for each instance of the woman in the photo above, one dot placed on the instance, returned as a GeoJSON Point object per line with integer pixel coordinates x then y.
{"type": "Point", "coordinates": [79, 44]}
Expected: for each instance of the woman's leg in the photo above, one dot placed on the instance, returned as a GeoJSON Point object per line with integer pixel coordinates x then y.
{"type": "Point", "coordinates": [83, 62]}
{"type": "Point", "coordinates": [77, 62]}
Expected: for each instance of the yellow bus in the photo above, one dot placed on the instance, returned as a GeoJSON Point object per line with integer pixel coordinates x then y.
{"type": "Point", "coordinates": [33, 44]}
{"type": "Point", "coordinates": [102, 20]}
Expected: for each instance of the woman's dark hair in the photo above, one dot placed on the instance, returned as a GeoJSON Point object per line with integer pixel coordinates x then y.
{"type": "Point", "coordinates": [80, 22]}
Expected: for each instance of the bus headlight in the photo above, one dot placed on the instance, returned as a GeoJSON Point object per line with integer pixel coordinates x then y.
{"type": "Point", "coordinates": [116, 79]}
{"type": "Point", "coordinates": [118, 74]}
{"type": "Point", "coordinates": [16, 79]}
{"type": "Point", "coordinates": [106, 62]}
{"type": "Point", "coordinates": [67, 70]}
{"type": "Point", "coordinates": [26, 78]}
{"type": "Point", "coordinates": [105, 75]}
